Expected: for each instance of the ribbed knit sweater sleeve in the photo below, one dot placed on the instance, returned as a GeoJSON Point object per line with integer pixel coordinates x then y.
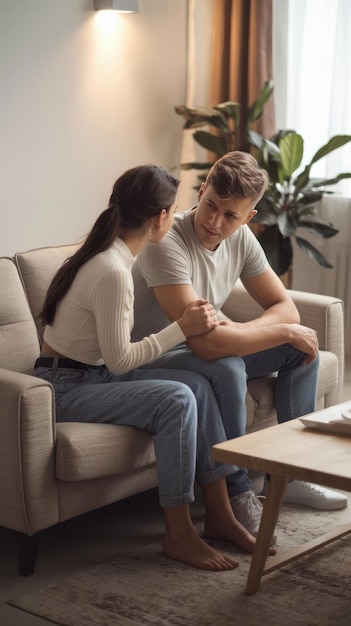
{"type": "Point", "coordinates": [112, 302]}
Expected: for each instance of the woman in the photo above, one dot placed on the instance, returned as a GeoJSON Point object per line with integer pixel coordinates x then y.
{"type": "Point", "coordinates": [93, 365]}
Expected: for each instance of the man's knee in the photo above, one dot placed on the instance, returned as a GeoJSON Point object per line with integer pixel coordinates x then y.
{"type": "Point", "coordinates": [231, 370]}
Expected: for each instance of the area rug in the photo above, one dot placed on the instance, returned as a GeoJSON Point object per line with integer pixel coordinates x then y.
{"type": "Point", "coordinates": [145, 588]}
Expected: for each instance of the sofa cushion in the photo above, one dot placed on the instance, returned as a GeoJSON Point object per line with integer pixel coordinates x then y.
{"type": "Point", "coordinates": [19, 345]}
{"type": "Point", "coordinates": [37, 269]}
{"type": "Point", "coordinates": [85, 451]}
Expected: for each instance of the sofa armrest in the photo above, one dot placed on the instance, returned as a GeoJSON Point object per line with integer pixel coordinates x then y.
{"type": "Point", "coordinates": [323, 313]}
{"type": "Point", "coordinates": [326, 315]}
{"type": "Point", "coordinates": [28, 486]}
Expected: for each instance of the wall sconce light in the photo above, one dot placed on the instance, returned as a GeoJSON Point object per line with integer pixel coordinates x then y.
{"type": "Point", "coordinates": [124, 6]}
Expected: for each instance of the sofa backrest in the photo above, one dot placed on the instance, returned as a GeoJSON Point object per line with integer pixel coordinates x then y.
{"type": "Point", "coordinates": [37, 269]}
{"type": "Point", "coordinates": [19, 344]}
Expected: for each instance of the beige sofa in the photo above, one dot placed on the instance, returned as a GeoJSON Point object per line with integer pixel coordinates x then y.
{"type": "Point", "coordinates": [52, 472]}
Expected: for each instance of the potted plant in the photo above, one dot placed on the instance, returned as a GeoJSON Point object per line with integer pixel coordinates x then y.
{"type": "Point", "coordinates": [289, 203]}
{"type": "Point", "coordinates": [230, 128]}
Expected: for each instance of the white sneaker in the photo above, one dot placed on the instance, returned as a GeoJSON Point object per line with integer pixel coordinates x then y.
{"type": "Point", "coordinates": [247, 509]}
{"type": "Point", "coordinates": [314, 496]}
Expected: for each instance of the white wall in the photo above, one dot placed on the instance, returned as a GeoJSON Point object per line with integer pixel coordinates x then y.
{"type": "Point", "coordinates": [84, 96]}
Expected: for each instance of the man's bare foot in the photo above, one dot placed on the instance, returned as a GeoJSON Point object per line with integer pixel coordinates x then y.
{"type": "Point", "coordinates": [227, 528]}
{"type": "Point", "coordinates": [189, 548]}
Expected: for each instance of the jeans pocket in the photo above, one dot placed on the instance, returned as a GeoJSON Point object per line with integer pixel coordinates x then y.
{"type": "Point", "coordinates": [60, 375]}
{"type": "Point", "coordinates": [65, 375]}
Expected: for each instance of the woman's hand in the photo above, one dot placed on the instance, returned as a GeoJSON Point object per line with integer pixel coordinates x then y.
{"type": "Point", "coordinates": [198, 317]}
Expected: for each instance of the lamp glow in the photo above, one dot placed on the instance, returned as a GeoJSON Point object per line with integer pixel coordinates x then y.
{"type": "Point", "coordinates": [124, 6]}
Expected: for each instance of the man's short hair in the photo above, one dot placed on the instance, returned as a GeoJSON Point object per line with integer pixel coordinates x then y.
{"type": "Point", "coordinates": [238, 175]}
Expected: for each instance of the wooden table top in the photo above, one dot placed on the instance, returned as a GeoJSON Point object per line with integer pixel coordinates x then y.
{"type": "Point", "coordinates": [291, 449]}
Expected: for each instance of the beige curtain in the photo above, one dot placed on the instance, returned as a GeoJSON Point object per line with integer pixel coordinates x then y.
{"type": "Point", "coordinates": [242, 42]}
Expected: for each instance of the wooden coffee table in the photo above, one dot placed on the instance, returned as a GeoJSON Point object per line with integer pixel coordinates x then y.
{"type": "Point", "coordinates": [289, 450]}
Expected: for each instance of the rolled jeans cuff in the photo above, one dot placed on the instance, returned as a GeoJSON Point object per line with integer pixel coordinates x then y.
{"type": "Point", "coordinates": [222, 470]}
{"type": "Point", "coordinates": [172, 501]}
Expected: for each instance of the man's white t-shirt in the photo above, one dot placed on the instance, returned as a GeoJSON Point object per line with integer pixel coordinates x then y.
{"type": "Point", "coordinates": [180, 259]}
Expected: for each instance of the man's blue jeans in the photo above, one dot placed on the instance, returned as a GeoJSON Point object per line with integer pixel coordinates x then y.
{"type": "Point", "coordinates": [178, 407]}
{"type": "Point", "coordinates": [295, 388]}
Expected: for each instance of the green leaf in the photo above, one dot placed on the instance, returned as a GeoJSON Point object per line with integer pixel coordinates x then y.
{"type": "Point", "coordinates": [319, 182]}
{"type": "Point", "coordinates": [287, 224]}
{"type": "Point", "coordinates": [256, 109]}
{"type": "Point", "coordinates": [309, 197]}
{"type": "Point", "coordinates": [334, 142]}
{"type": "Point", "coordinates": [255, 139]}
{"type": "Point", "coordinates": [307, 247]}
{"type": "Point", "coordinates": [195, 118]}
{"type": "Point", "coordinates": [264, 144]}
{"type": "Point", "coordinates": [232, 110]}
{"type": "Point", "coordinates": [320, 229]}
{"type": "Point", "coordinates": [302, 180]}
{"type": "Point", "coordinates": [211, 142]}
{"type": "Point", "coordinates": [291, 153]}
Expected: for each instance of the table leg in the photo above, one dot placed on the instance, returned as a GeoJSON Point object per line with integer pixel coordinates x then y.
{"type": "Point", "coordinates": [271, 510]}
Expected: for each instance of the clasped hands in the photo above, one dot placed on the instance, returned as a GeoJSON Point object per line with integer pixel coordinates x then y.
{"type": "Point", "coordinates": [198, 318]}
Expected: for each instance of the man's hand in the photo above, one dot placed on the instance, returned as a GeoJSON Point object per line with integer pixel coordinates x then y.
{"type": "Point", "coordinates": [306, 340]}
{"type": "Point", "coordinates": [198, 318]}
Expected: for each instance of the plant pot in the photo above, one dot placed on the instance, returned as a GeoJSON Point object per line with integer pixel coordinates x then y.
{"type": "Point", "coordinates": [287, 277]}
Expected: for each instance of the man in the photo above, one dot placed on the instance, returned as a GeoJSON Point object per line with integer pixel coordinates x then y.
{"type": "Point", "coordinates": [207, 250]}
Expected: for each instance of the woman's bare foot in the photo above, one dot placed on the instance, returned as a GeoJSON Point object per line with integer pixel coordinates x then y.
{"type": "Point", "coordinates": [227, 528]}
{"type": "Point", "coordinates": [220, 522]}
{"type": "Point", "coordinates": [189, 548]}
{"type": "Point", "coordinates": [183, 544]}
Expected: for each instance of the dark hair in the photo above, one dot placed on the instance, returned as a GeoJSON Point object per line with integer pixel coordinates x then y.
{"type": "Point", "coordinates": [140, 193]}
{"type": "Point", "coordinates": [238, 175]}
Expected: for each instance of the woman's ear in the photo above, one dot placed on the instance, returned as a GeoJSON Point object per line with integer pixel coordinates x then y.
{"type": "Point", "coordinates": [158, 220]}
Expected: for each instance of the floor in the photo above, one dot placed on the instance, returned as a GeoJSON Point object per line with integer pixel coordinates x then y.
{"type": "Point", "coordinates": [85, 541]}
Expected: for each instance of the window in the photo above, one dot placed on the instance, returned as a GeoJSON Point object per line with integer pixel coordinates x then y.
{"type": "Point", "coordinates": [313, 78]}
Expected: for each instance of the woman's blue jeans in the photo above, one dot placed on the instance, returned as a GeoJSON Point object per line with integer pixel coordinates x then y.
{"type": "Point", "coordinates": [178, 407]}
{"type": "Point", "coordinates": [295, 388]}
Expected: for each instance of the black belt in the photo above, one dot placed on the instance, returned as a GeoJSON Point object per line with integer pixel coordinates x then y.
{"type": "Point", "coordinates": [45, 361]}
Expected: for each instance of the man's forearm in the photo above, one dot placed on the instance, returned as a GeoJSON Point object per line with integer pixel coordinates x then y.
{"type": "Point", "coordinates": [281, 313]}
{"type": "Point", "coordinates": [236, 339]}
